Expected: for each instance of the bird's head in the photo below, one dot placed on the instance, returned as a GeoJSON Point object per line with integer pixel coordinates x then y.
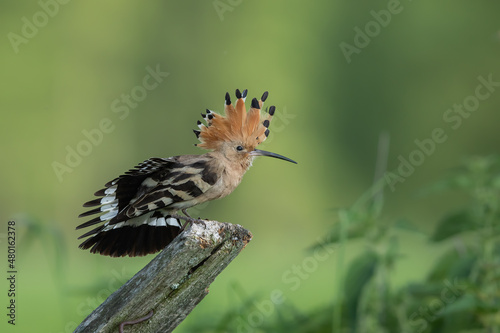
{"type": "Point", "coordinates": [237, 134]}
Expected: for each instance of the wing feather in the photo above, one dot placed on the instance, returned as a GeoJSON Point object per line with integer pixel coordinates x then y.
{"type": "Point", "coordinates": [157, 183]}
{"type": "Point", "coordinates": [135, 208]}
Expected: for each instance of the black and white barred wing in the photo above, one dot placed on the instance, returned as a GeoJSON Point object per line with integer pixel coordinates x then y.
{"type": "Point", "coordinates": [136, 208]}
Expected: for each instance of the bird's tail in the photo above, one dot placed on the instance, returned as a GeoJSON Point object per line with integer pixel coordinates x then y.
{"type": "Point", "coordinates": [138, 236]}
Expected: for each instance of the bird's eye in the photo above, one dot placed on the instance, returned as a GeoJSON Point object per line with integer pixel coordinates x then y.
{"type": "Point", "coordinates": [239, 148]}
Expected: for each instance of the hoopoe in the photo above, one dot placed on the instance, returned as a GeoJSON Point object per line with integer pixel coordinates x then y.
{"type": "Point", "coordinates": [139, 209]}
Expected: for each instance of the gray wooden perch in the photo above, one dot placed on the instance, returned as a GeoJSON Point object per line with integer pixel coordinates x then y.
{"type": "Point", "coordinates": [173, 283]}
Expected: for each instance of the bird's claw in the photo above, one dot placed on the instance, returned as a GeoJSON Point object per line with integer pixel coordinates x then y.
{"type": "Point", "coordinates": [200, 221]}
{"type": "Point", "coordinates": [189, 220]}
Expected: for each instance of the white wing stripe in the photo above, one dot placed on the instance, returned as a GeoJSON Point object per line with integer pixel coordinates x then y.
{"type": "Point", "coordinates": [107, 199]}
{"type": "Point", "coordinates": [147, 219]}
{"type": "Point", "coordinates": [173, 222]}
{"type": "Point", "coordinates": [110, 214]}
{"type": "Point", "coordinates": [110, 190]}
{"type": "Point", "coordinates": [109, 207]}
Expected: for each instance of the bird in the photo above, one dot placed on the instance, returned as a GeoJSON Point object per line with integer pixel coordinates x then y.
{"type": "Point", "coordinates": [139, 212]}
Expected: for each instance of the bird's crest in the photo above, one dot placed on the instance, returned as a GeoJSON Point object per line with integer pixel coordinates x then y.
{"type": "Point", "coordinates": [250, 128]}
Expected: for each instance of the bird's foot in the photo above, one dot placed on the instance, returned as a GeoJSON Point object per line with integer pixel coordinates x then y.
{"type": "Point", "coordinates": [189, 220]}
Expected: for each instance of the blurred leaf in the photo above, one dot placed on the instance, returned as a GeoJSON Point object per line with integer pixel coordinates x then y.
{"type": "Point", "coordinates": [475, 172]}
{"type": "Point", "coordinates": [466, 303]}
{"type": "Point", "coordinates": [454, 224]}
{"type": "Point", "coordinates": [423, 290]}
{"type": "Point", "coordinates": [360, 272]}
{"type": "Point", "coordinates": [482, 164]}
{"type": "Point", "coordinates": [452, 264]}
{"type": "Point", "coordinates": [461, 321]}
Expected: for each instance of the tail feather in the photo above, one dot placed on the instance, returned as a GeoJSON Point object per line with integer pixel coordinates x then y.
{"type": "Point", "coordinates": [139, 236]}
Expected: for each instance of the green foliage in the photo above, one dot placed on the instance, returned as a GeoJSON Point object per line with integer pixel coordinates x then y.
{"type": "Point", "coordinates": [454, 224]}
{"type": "Point", "coordinates": [461, 291]}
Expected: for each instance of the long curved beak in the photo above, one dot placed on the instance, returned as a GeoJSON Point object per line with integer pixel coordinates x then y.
{"type": "Point", "coordinates": [258, 152]}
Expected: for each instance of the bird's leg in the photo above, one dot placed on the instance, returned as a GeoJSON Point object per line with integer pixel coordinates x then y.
{"type": "Point", "coordinates": [185, 212]}
{"type": "Point", "coordinates": [188, 219]}
{"type": "Point", "coordinates": [198, 220]}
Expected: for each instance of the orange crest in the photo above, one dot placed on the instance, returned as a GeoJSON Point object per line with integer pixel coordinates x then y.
{"type": "Point", "coordinates": [249, 128]}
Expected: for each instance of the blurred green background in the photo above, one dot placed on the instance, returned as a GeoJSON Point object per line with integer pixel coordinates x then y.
{"type": "Point", "coordinates": [67, 66]}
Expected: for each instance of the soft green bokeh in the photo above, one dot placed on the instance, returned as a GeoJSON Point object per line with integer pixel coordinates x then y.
{"type": "Point", "coordinates": [65, 78]}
